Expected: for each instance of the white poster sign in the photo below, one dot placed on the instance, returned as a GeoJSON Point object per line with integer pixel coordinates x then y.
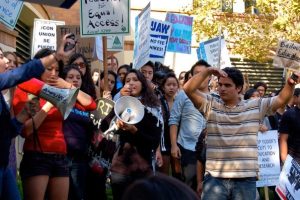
{"type": "Point", "coordinates": [10, 11]}
{"type": "Point", "coordinates": [142, 39]}
{"type": "Point", "coordinates": [209, 51]}
{"type": "Point", "coordinates": [287, 55]}
{"type": "Point", "coordinates": [44, 35]}
{"type": "Point", "coordinates": [289, 180]}
{"type": "Point", "coordinates": [104, 17]}
{"type": "Point", "coordinates": [268, 159]}
{"type": "Point", "coordinates": [115, 43]}
{"type": "Point", "coordinates": [159, 37]}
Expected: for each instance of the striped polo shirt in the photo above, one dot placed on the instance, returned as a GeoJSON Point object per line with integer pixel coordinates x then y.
{"type": "Point", "coordinates": [232, 136]}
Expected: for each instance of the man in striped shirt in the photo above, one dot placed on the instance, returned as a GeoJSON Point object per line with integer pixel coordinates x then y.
{"type": "Point", "coordinates": [232, 126]}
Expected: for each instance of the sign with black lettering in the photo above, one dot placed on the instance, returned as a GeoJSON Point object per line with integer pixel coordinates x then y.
{"type": "Point", "coordinates": [289, 180]}
{"type": "Point", "coordinates": [44, 35]}
{"type": "Point", "coordinates": [10, 11]}
{"type": "Point", "coordinates": [84, 46]}
{"type": "Point", "coordinates": [287, 55]}
{"type": "Point", "coordinates": [104, 17]}
{"type": "Point", "coordinates": [268, 158]}
{"type": "Point", "coordinates": [104, 106]}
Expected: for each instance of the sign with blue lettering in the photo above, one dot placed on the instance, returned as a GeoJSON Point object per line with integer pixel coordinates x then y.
{"type": "Point", "coordinates": [10, 11]}
{"type": "Point", "coordinates": [142, 39]}
{"type": "Point", "coordinates": [209, 51]}
{"type": "Point", "coordinates": [181, 33]}
{"type": "Point", "coordinates": [104, 17]}
{"type": "Point", "coordinates": [44, 35]}
{"type": "Point", "coordinates": [159, 36]}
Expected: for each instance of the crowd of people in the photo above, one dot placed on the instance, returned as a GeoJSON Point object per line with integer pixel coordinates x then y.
{"type": "Point", "coordinates": [196, 139]}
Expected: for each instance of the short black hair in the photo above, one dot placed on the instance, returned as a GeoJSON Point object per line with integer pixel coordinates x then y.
{"type": "Point", "coordinates": [258, 84]}
{"type": "Point", "coordinates": [199, 63]}
{"type": "Point", "coordinates": [236, 76]}
{"type": "Point", "coordinates": [249, 93]}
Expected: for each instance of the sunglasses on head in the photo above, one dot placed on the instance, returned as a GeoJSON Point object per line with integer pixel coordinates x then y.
{"type": "Point", "coordinates": [80, 65]}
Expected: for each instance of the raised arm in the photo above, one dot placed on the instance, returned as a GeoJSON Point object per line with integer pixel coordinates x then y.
{"type": "Point", "coordinates": [287, 92]}
{"type": "Point", "coordinates": [191, 87]}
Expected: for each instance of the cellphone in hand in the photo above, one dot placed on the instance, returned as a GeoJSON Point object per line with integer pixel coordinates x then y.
{"type": "Point", "coordinates": [68, 45]}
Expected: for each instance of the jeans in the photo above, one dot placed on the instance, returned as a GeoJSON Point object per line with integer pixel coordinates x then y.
{"type": "Point", "coordinates": [8, 185]}
{"type": "Point", "coordinates": [226, 188]}
{"type": "Point", "coordinates": [78, 174]}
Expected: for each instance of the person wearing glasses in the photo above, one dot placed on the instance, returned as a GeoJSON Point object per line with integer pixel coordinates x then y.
{"type": "Point", "coordinates": [88, 85]}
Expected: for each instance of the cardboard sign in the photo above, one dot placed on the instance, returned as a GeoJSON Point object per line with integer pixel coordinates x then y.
{"type": "Point", "coordinates": [142, 39]}
{"type": "Point", "coordinates": [104, 106]}
{"type": "Point", "coordinates": [287, 55]}
{"type": "Point", "coordinates": [181, 33]}
{"type": "Point", "coordinates": [10, 11]}
{"type": "Point", "coordinates": [268, 159]}
{"type": "Point", "coordinates": [289, 180]}
{"type": "Point", "coordinates": [104, 17]}
{"type": "Point", "coordinates": [44, 35]}
{"type": "Point", "coordinates": [159, 37]}
{"type": "Point", "coordinates": [84, 46]}
{"type": "Point", "coordinates": [209, 51]}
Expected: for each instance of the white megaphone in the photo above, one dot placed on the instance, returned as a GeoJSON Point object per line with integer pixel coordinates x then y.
{"type": "Point", "coordinates": [63, 99]}
{"type": "Point", "coordinates": [127, 109]}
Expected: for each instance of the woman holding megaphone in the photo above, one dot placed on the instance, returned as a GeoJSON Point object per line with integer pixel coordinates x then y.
{"type": "Point", "coordinates": [44, 166]}
{"type": "Point", "coordinates": [135, 156]}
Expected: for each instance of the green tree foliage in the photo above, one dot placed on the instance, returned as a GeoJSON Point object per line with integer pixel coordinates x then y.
{"type": "Point", "coordinates": [248, 35]}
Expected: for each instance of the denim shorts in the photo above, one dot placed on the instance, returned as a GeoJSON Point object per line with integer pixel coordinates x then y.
{"type": "Point", "coordinates": [36, 164]}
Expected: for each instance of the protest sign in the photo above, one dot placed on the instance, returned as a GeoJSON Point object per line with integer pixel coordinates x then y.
{"type": "Point", "coordinates": [287, 55]}
{"type": "Point", "coordinates": [44, 35]}
{"type": "Point", "coordinates": [289, 180]}
{"type": "Point", "coordinates": [181, 33]}
{"type": "Point", "coordinates": [104, 106]}
{"type": "Point", "coordinates": [104, 17]}
{"type": "Point", "coordinates": [209, 51]}
{"type": "Point", "coordinates": [85, 46]}
{"type": "Point", "coordinates": [142, 39]}
{"type": "Point", "coordinates": [268, 159]}
{"type": "Point", "coordinates": [10, 11]}
{"type": "Point", "coordinates": [115, 43]}
{"type": "Point", "coordinates": [159, 36]}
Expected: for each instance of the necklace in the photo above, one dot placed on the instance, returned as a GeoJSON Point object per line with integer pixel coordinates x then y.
{"type": "Point", "coordinates": [230, 107]}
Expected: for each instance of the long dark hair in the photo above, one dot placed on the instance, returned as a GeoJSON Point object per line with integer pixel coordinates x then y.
{"type": "Point", "coordinates": [67, 69]}
{"type": "Point", "coordinates": [114, 90]}
{"type": "Point", "coordinates": [87, 81]}
{"type": "Point", "coordinates": [148, 98]}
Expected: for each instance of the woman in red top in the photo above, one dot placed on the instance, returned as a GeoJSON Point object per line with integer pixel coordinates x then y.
{"type": "Point", "coordinates": [44, 166]}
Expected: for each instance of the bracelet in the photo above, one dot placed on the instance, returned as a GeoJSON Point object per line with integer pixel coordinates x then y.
{"type": "Point", "coordinates": [294, 77]}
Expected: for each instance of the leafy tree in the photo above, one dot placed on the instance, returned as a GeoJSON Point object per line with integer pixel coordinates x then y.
{"type": "Point", "coordinates": [249, 35]}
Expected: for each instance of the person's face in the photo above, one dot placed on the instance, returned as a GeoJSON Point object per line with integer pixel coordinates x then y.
{"type": "Point", "coordinates": [181, 79]}
{"type": "Point", "coordinates": [261, 90]}
{"type": "Point", "coordinates": [111, 82]}
{"type": "Point", "coordinates": [74, 77]}
{"type": "Point", "coordinates": [3, 62]}
{"type": "Point", "coordinates": [79, 62]}
{"type": "Point", "coordinates": [134, 84]}
{"type": "Point", "coordinates": [122, 73]}
{"type": "Point", "coordinates": [12, 64]}
{"type": "Point", "coordinates": [95, 77]}
{"type": "Point", "coordinates": [50, 71]}
{"type": "Point", "coordinates": [170, 87]}
{"type": "Point", "coordinates": [255, 95]}
{"type": "Point", "coordinates": [147, 71]}
{"type": "Point", "coordinates": [112, 64]}
{"type": "Point", "coordinates": [227, 89]}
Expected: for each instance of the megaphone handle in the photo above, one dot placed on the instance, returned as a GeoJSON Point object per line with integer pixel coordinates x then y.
{"type": "Point", "coordinates": [113, 128]}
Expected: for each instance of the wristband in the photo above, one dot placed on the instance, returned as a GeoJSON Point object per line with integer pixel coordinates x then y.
{"type": "Point", "coordinates": [294, 77]}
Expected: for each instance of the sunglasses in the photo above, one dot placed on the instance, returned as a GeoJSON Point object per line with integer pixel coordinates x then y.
{"type": "Point", "coordinates": [80, 65]}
